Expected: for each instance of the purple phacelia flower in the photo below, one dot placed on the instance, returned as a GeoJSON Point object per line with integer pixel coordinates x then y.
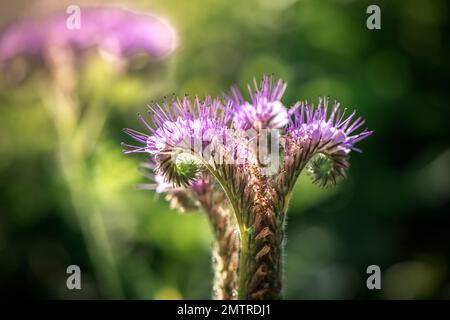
{"type": "Point", "coordinates": [316, 138]}
{"type": "Point", "coordinates": [180, 123]}
{"type": "Point", "coordinates": [265, 110]}
{"type": "Point", "coordinates": [117, 31]}
{"type": "Point", "coordinates": [178, 131]}
{"type": "Point", "coordinates": [324, 138]}
{"type": "Point", "coordinates": [326, 130]}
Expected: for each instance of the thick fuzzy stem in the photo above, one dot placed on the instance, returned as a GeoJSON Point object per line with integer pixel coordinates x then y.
{"type": "Point", "coordinates": [225, 266]}
{"type": "Point", "coordinates": [261, 256]}
{"type": "Point", "coordinates": [225, 254]}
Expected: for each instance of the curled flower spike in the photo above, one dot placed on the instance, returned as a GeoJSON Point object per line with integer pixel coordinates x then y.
{"type": "Point", "coordinates": [325, 140]}
{"type": "Point", "coordinates": [179, 198]}
{"type": "Point", "coordinates": [180, 131]}
{"type": "Point", "coordinates": [265, 109]}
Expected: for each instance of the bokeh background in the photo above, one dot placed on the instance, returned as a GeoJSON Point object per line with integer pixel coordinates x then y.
{"type": "Point", "coordinates": [392, 211]}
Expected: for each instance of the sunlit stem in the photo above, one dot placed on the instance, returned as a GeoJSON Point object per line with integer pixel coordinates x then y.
{"type": "Point", "coordinates": [243, 231]}
{"type": "Point", "coordinates": [242, 293]}
{"type": "Point", "coordinates": [225, 253]}
{"type": "Point", "coordinates": [76, 138]}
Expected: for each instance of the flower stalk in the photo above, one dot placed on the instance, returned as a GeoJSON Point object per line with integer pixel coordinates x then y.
{"type": "Point", "coordinates": [225, 254]}
{"type": "Point", "coordinates": [225, 258]}
{"type": "Point", "coordinates": [205, 196]}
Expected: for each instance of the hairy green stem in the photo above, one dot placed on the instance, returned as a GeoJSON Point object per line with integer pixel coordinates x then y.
{"type": "Point", "coordinates": [225, 267]}
{"type": "Point", "coordinates": [242, 293]}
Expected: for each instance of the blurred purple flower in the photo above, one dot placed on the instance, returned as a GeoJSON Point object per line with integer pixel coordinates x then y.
{"type": "Point", "coordinates": [117, 31]}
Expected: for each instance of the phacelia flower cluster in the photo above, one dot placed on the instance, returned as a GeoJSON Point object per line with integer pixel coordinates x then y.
{"type": "Point", "coordinates": [179, 131]}
{"type": "Point", "coordinates": [220, 144]}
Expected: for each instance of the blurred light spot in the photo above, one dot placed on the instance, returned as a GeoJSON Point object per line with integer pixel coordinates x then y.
{"type": "Point", "coordinates": [433, 181]}
{"type": "Point", "coordinates": [334, 282]}
{"type": "Point", "coordinates": [315, 244]}
{"type": "Point", "coordinates": [183, 235]}
{"type": "Point", "coordinates": [18, 127]}
{"type": "Point", "coordinates": [388, 75]}
{"type": "Point", "coordinates": [276, 5]}
{"type": "Point", "coordinates": [424, 12]}
{"type": "Point", "coordinates": [200, 86]}
{"type": "Point", "coordinates": [48, 261]}
{"type": "Point", "coordinates": [410, 280]}
{"type": "Point", "coordinates": [168, 293]}
{"type": "Point", "coordinates": [420, 40]}
{"type": "Point", "coordinates": [311, 269]}
{"type": "Point", "coordinates": [327, 26]}
{"type": "Point", "coordinates": [307, 195]}
{"type": "Point", "coordinates": [265, 64]}
{"type": "Point", "coordinates": [335, 88]}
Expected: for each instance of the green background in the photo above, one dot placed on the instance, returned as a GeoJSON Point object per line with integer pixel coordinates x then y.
{"type": "Point", "coordinates": [392, 211]}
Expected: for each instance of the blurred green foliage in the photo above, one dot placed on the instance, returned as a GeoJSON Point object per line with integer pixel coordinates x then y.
{"type": "Point", "coordinates": [392, 211]}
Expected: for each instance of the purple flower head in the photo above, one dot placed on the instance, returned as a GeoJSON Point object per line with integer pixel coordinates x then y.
{"type": "Point", "coordinates": [180, 124]}
{"type": "Point", "coordinates": [265, 109]}
{"type": "Point", "coordinates": [325, 139]}
{"type": "Point", "coordinates": [118, 31]}
{"type": "Point", "coordinates": [179, 130]}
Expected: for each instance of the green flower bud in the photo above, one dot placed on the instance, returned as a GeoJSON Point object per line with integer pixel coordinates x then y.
{"type": "Point", "coordinates": [324, 171]}
{"type": "Point", "coordinates": [184, 170]}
